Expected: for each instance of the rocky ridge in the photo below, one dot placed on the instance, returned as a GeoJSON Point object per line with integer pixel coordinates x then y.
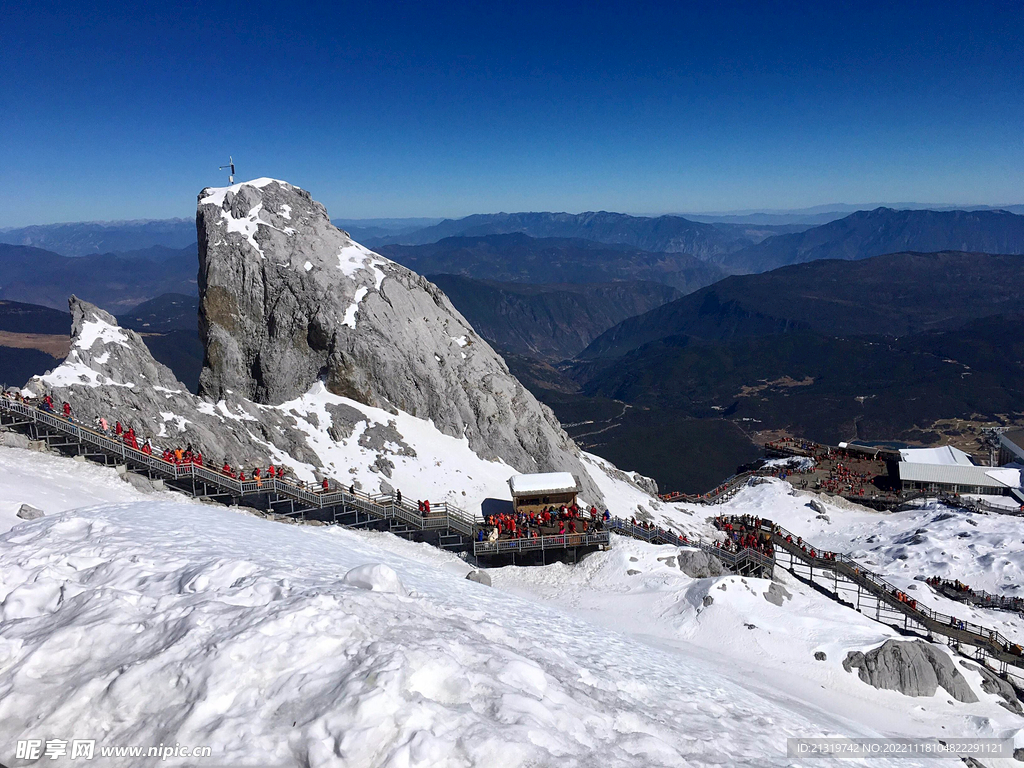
{"type": "Point", "coordinates": [913, 668]}
{"type": "Point", "coordinates": [288, 300]}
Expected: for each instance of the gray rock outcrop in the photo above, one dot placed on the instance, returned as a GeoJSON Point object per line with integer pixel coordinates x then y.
{"type": "Point", "coordinates": [14, 440]}
{"type": "Point", "coordinates": [28, 512]}
{"type": "Point", "coordinates": [287, 299]}
{"type": "Point", "coordinates": [480, 577]}
{"type": "Point", "coordinates": [110, 372]}
{"type": "Point", "coordinates": [913, 668]}
{"type": "Point", "coordinates": [139, 482]}
{"type": "Point", "coordinates": [992, 683]}
{"type": "Point", "coordinates": [698, 564]}
{"type": "Point", "coordinates": [777, 594]}
{"type": "Point", "coordinates": [643, 482]}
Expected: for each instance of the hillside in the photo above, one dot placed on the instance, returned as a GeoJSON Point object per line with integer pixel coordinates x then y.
{"type": "Point", "coordinates": [831, 388]}
{"type": "Point", "coordinates": [35, 339]}
{"type": "Point", "coordinates": [519, 258]}
{"type": "Point", "coordinates": [167, 312]}
{"type": "Point", "coordinates": [895, 295]}
{"type": "Point", "coordinates": [114, 281]}
{"type": "Point", "coordinates": [671, 234]}
{"type": "Point", "coordinates": [552, 322]}
{"type": "Point", "coordinates": [275, 618]}
{"type": "Point", "coordinates": [301, 348]}
{"type": "Point", "coordinates": [871, 233]}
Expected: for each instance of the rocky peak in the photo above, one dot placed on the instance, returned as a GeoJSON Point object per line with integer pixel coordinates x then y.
{"type": "Point", "coordinates": [287, 300]}
{"type": "Point", "coordinates": [104, 353]}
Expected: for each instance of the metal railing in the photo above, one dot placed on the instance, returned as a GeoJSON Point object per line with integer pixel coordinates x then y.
{"type": "Point", "coordinates": [715, 496]}
{"type": "Point", "coordinates": [558, 541]}
{"type": "Point", "coordinates": [738, 559]}
{"type": "Point", "coordinates": [962, 631]}
{"type": "Point", "coordinates": [443, 515]}
{"type": "Point", "coordinates": [978, 597]}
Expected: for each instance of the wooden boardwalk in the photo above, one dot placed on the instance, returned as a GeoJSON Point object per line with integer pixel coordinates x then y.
{"type": "Point", "coordinates": [447, 526]}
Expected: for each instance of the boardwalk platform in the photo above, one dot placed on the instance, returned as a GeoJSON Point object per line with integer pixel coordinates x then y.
{"type": "Point", "coordinates": [447, 526]}
{"type": "Point", "coordinates": [847, 581]}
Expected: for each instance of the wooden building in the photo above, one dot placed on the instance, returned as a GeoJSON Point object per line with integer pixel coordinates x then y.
{"type": "Point", "coordinates": [532, 493]}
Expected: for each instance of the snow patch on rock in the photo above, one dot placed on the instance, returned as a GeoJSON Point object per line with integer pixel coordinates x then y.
{"type": "Point", "coordinates": [350, 313]}
{"type": "Point", "coordinates": [217, 195]}
{"type": "Point", "coordinates": [101, 331]}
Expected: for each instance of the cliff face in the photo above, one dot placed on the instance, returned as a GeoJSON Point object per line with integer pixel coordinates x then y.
{"type": "Point", "coordinates": [287, 300]}
{"type": "Point", "coordinates": [109, 372]}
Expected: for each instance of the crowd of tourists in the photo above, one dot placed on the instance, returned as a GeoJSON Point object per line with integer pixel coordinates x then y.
{"type": "Point", "coordinates": [744, 532]}
{"type": "Point", "coordinates": [549, 521]}
{"type": "Point", "coordinates": [957, 590]}
{"type": "Point", "coordinates": [904, 598]}
{"type": "Point", "coordinates": [844, 480]}
{"type": "Point", "coordinates": [179, 456]}
{"type": "Point", "coordinates": [809, 550]}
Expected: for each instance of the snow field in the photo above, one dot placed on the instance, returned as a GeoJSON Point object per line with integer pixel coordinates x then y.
{"type": "Point", "coordinates": [167, 622]}
{"type": "Point", "coordinates": [55, 484]}
{"type": "Point", "coordinates": [766, 646]}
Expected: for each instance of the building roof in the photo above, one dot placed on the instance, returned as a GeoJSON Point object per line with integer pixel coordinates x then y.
{"type": "Point", "coordinates": [543, 482]}
{"type": "Point", "coordinates": [959, 474]}
{"type": "Point", "coordinates": [1013, 441]}
{"type": "Point", "coordinates": [945, 455]}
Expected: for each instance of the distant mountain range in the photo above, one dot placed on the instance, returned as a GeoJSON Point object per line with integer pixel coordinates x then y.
{"type": "Point", "coordinates": [895, 295]}
{"type": "Point", "coordinates": [520, 258]}
{"type": "Point", "coordinates": [363, 230]}
{"type": "Point", "coordinates": [741, 248]}
{"type": "Point", "coordinates": [738, 243]}
{"type": "Point", "coordinates": [668, 234]}
{"type": "Point", "coordinates": [548, 322]}
{"type": "Point", "coordinates": [822, 214]}
{"type": "Point", "coordinates": [871, 233]}
{"type": "Point", "coordinates": [115, 282]}
{"type": "Point", "coordinates": [95, 237]}
{"type": "Point", "coordinates": [875, 324]}
{"type": "Point", "coordinates": [914, 347]}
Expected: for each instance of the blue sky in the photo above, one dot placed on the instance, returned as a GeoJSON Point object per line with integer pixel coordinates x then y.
{"type": "Point", "coordinates": [125, 111]}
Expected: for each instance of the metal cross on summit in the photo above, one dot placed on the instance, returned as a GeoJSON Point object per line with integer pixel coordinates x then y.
{"type": "Point", "coordinates": [231, 167]}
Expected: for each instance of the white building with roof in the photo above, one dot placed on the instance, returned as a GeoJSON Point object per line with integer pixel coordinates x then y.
{"type": "Point", "coordinates": [957, 478]}
{"type": "Point", "coordinates": [945, 455]}
{"type": "Point", "coordinates": [534, 492]}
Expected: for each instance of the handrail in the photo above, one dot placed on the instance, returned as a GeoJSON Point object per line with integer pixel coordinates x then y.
{"type": "Point", "coordinates": [977, 597]}
{"type": "Point", "coordinates": [662, 536]}
{"type": "Point", "coordinates": [943, 624]}
{"type": "Point", "coordinates": [443, 515]}
{"type": "Point", "coordinates": [556, 541]}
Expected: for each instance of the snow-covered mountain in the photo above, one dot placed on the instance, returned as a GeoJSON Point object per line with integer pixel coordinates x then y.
{"type": "Point", "coordinates": [140, 620]}
{"type": "Point", "coordinates": [332, 360]}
